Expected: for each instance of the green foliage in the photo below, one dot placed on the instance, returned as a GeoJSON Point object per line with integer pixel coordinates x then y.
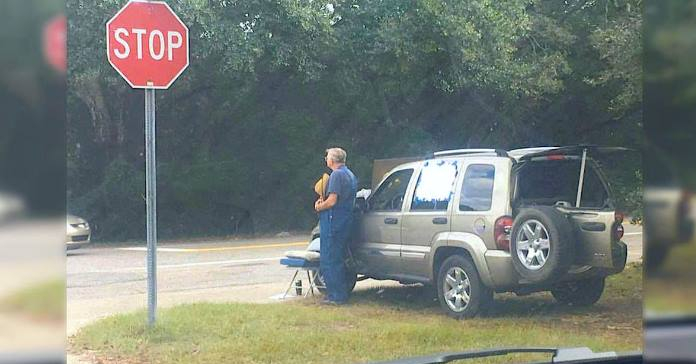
{"type": "Point", "coordinates": [629, 195]}
{"type": "Point", "coordinates": [119, 199]}
{"type": "Point", "coordinates": [271, 84]}
{"type": "Point", "coordinates": [620, 46]}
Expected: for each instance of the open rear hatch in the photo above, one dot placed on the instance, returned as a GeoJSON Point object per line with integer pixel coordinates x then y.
{"type": "Point", "coordinates": [569, 179]}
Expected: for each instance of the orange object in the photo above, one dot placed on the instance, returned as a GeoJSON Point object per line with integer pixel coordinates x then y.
{"type": "Point", "coordinates": [321, 185]}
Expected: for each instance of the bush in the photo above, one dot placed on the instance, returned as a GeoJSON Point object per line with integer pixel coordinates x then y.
{"type": "Point", "coordinates": [115, 208]}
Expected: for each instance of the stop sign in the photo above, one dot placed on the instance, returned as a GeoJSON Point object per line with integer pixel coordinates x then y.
{"type": "Point", "coordinates": [147, 44]}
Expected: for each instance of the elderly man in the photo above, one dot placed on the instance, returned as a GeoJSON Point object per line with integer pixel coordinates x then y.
{"type": "Point", "coordinates": [335, 219]}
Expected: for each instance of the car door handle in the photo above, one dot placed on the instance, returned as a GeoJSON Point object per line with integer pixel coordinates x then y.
{"type": "Point", "coordinates": [391, 220]}
{"type": "Point", "coordinates": [439, 220]}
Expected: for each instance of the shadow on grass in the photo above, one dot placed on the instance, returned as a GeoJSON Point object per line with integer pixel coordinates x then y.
{"type": "Point", "coordinates": [621, 301]}
{"type": "Point", "coordinates": [421, 299]}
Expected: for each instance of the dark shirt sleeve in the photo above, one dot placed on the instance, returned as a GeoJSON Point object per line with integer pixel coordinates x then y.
{"type": "Point", "coordinates": [335, 182]}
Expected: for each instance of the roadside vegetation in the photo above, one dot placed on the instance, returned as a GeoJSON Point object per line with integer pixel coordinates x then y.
{"type": "Point", "coordinates": [379, 324]}
{"type": "Point", "coordinates": [272, 84]}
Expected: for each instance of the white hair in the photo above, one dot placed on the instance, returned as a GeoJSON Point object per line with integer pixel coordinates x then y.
{"type": "Point", "coordinates": [337, 155]}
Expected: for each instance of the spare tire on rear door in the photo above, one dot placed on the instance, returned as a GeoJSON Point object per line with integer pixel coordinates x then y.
{"type": "Point", "coordinates": [542, 244]}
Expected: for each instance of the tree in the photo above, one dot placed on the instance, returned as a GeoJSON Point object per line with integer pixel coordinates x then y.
{"type": "Point", "coordinates": [271, 84]}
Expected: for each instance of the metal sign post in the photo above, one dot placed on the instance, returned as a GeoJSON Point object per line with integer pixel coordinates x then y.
{"type": "Point", "coordinates": [148, 45]}
{"type": "Point", "coordinates": [151, 198]}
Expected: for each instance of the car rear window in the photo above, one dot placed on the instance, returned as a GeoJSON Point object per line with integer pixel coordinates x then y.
{"type": "Point", "coordinates": [553, 181]}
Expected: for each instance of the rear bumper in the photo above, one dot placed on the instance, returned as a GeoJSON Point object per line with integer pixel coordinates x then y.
{"type": "Point", "coordinates": [619, 255]}
{"type": "Point", "coordinates": [500, 269]}
{"type": "Point", "coordinates": [504, 277]}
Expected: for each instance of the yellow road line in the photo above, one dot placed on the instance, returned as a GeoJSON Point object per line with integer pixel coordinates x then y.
{"type": "Point", "coordinates": [244, 247]}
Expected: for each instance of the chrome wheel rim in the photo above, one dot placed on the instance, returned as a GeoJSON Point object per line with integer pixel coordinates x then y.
{"type": "Point", "coordinates": [533, 245]}
{"type": "Point", "coordinates": [457, 289]}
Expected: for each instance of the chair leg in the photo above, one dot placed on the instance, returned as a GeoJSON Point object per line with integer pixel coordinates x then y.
{"type": "Point", "coordinates": [291, 283]}
{"type": "Point", "coordinates": [311, 285]}
{"type": "Point", "coordinates": [315, 275]}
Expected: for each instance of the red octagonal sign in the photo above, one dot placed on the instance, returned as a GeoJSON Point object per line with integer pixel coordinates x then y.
{"type": "Point", "coordinates": [147, 44]}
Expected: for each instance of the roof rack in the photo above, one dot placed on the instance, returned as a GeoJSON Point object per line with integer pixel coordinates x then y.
{"type": "Point", "coordinates": [498, 152]}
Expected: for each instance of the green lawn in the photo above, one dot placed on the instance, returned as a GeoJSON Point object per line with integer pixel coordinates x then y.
{"type": "Point", "coordinates": [42, 301]}
{"type": "Point", "coordinates": [379, 324]}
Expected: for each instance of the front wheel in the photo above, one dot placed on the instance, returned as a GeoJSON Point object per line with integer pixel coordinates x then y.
{"type": "Point", "coordinates": [585, 292]}
{"type": "Point", "coordinates": [351, 281]}
{"type": "Point", "coordinates": [459, 289]}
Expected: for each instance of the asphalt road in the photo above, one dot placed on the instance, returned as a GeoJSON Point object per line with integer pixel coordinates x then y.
{"type": "Point", "coordinates": [102, 281]}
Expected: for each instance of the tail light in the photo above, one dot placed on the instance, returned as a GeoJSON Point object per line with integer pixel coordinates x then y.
{"type": "Point", "coordinates": [618, 232]}
{"type": "Point", "coordinates": [618, 226]}
{"type": "Point", "coordinates": [501, 232]}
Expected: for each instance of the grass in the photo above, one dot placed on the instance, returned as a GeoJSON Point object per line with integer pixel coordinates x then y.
{"type": "Point", "coordinates": [672, 288]}
{"type": "Point", "coordinates": [45, 301]}
{"type": "Point", "coordinates": [379, 324]}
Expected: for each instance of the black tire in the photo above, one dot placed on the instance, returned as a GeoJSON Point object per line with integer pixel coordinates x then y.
{"type": "Point", "coordinates": [480, 296]}
{"type": "Point", "coordinates": [655, 256]}
{"type": "Point", "coordinates": [351, 280]}
{"type": "Point", "coordinates": [585, 292]}
{"type": "Point", "coordinates": [559, 237]}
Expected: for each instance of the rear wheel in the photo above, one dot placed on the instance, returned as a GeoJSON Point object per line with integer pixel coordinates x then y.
{"type": "Point", "coordinates": [459, 289]}
{"type": "Point", "coordinates": [584, 292]}
{"type": "Point", "coordinates": [351, 281]}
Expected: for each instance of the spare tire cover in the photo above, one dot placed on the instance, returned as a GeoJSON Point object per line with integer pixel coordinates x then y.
{"type": "Point", "coordinates": [542, 244]}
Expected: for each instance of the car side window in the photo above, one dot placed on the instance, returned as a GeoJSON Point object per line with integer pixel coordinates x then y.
{"type": "Point", "coordinates": [435, 186]}
{"type": "Point", "coordinates": [390, 194]}
{"type": "Point", "coordinates": [477, 188]}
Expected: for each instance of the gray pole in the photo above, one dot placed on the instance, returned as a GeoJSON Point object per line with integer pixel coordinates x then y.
{"type": "Point", "coordinates": [151, 197]}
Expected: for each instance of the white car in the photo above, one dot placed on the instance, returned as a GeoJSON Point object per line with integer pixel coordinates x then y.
{"type": "Point", "coordinates": [78, 232]}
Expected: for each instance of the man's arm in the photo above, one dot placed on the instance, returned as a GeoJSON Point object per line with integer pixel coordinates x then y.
{"type": "Point", "coordinates": [326, 204]}
{"type": "Point", "coordinates": [333, 189]}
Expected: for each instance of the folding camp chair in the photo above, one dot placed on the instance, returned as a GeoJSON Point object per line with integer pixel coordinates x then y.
{"type": "Point", "coordinates": [303, 260]}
